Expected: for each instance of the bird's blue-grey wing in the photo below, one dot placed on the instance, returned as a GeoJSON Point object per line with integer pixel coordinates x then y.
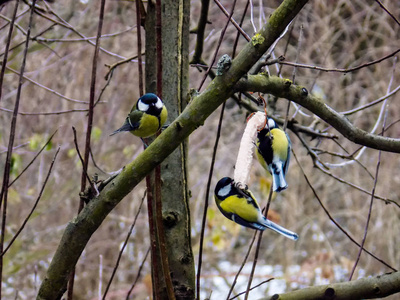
{"type": "Point", "coordinates": [289, 150]}
{"type": "Point", "coordinates": [127, 126]}
{"type": "Point", "coordinates": [240, 221]}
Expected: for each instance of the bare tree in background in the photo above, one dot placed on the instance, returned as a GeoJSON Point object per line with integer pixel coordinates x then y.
{"type": "Point", "coordinates": [328, 73]}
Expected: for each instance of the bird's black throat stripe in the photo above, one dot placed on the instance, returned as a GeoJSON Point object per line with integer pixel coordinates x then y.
{"type": "Point", "coordinates": [159, 122]}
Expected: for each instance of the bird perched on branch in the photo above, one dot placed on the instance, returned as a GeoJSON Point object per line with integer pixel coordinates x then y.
{"type": "Point", "coordinates": [273, 153]}
{"type": "Point", "coordinates": [147, 116]}
{"type": "Point", "coordinates": [240, 206]}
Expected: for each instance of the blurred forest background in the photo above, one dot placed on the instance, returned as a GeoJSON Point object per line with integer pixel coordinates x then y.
{"type": "Point", "coordinates": [331, 34]}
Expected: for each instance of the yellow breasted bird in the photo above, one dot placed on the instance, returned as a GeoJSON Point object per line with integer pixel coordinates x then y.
{"type": "Point", "coordinates": [147, 116]}
{"type": "Point", "coordinates": [240, 206]}
{"type": "Point", "coordinates": [273, 153]}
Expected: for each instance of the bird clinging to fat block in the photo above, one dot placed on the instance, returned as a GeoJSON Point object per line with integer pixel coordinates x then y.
{"type": "Point", "coordinates": [273, 153]}
{"type": "Point", "coordinates": [240, 206]}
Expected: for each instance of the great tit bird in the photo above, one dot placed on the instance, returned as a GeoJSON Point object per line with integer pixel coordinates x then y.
{"type": "Point", "coordinates": [273, 153]}
{"type": "Point", "coordinates": [146, 117]}
{"type": "Point", "coordinates": [240, 206]}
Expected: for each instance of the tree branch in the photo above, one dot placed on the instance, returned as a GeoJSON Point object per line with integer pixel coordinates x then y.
{"type": "Point", "coordinates": [285, 89]}
{"type": "Point", "coordinates": [365, 288]}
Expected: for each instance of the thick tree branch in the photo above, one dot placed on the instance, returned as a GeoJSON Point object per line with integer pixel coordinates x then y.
{"type": "Point", "coordinates": [79, 230]}
{"type": "Point", "coordinates": [366, 288]}
{"type": "Point", "coordinates": [285, 89]}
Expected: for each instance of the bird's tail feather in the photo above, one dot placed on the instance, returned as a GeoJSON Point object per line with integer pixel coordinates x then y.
{"type": "Point", "coordinates": [125, 127]}
{"type": "Point", "coordinates": [278, 181]}
{"type": "Point", "coordinates": [279, 229]}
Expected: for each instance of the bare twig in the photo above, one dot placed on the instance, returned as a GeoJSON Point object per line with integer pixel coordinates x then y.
{"type": "Point", "coordinates": [84, 175]}
{"type": "Point", "coordinates": [252, 288]}
{"type": "Point", "coordinates": [139, 46]}
{"type": "Point", "coordinates": [242, 265]}
{"type": "Point", "coordinates": [219, 45]}
{"type": "Point", "coordinates": [260, 234]}
{"type": "Point", "coordinates": [371, 201]}
{"type": "Point", "coordinates": [91, 100]}
{"type": "Point", "coordinates": [33, 159]}
{"type": "Point", "coordinates": [16, 147]}
{"type": "Point", "coordinates": [332, 219]}
{"type": "Point", "coordinates": [232, 20]}
{"type": "Point", "coordinates": [386, 200]}
{"type": "Point", "coordinates": [138, 274]}
{"type": "Point", "coordinates": [82, 160]}
{"type": "Point", "coordinates": [49, 89]}
{"type": "Point", "coordinates": [34, 205]}
{"type": "Point", "coordinates": [121, 62]}
{"type": "Point", "coordinates": [368, 217]}
{"type": "Point", "coordinates": [201, 27]}
{"type": "Point", "coordinates": [294, 78]}
{"type": "Point", "coordinates": [348, 156]}
{"type": "Point", "coordinates": [238, 33]}
{"type": "Point", "coordinates": [352, 155]}
{"type": "Point", "coordinates": [100, 275]}
{"type": "Point", "coordinates": [252, 16]}
{"type": "Point", "coordinates": [282, 62]}
{"type": "Point", "coordinates": [8, 42]}
{"type": "Point", "coordinates": [380, 117]}
{"type": "Point", "coordinates": [95, 164]}
{"type": "Point", "coordinates": [311, 152]}
{"type": "Point", "coordinates": [61, 112]}
{"type": "Point", "coordinates": [37, 35]}
{"type": "Point", "coordinates": [297, 53]}
{"type": "Point", "coordinates": [159, 48]}
{"type": "Point", "coordinates": [203, 223]}
{"type": "Point", "coordinates": [379, 100]}
{"type": "Point", "coordinates": [45, 40]}
{"type": "Point", "coordinates": [7, 168]}
{"type": "Point", "coordinates": [65, 24]}
{"type": "Point", "coordinates": [103, 89]}
{"type": "Point", "coordinates": [123, 247]}
{"type": "Point", "coordinates": [17, 17]}
{"type": "Point", "coordinates": [19, 27]}
{"type": "Point", "coordinates": [388, 12]}
{"type": "Point", "coordinates": [153, 237]}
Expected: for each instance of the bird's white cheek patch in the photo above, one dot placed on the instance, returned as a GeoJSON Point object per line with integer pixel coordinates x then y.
{"type": "Point", "coordinates": [159, 103]}
{"type": "Point", "coordinates": [224, 191]}
{"type": "Point", "coordinates": [142, 106]}
{"type": "Point", "coordinates": [271, 123]}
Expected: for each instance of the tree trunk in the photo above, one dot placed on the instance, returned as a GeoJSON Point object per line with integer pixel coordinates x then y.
{"type": "Point", "coordinates": [175, 202]}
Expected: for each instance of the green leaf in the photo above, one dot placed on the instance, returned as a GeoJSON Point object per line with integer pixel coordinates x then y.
{"type": "Point", "coordinates": [49, 146]}
{"type": "Point", "coordinates": [16, 163]}
{"type": "Point", "coordinates": [96, 133]}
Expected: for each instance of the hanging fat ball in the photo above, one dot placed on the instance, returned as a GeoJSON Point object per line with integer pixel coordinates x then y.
{"type": "Point", "coordinates": [147, 117]}
{"type": "Point", "coordinates": [273, 153]}
{"type": "Point", "coordinates": [240, 206]}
